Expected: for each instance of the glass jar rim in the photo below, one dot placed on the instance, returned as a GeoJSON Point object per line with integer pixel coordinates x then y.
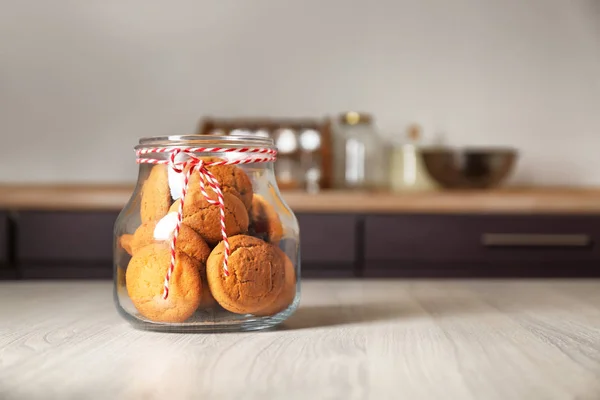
{"type": "Point", "coordinates": [206, 141]}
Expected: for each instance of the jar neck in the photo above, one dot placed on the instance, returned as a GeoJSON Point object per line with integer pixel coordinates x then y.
{"type": "Point", "coordinates": [228, 143]}
{"type": "Point", "coordinates": [205, 151]}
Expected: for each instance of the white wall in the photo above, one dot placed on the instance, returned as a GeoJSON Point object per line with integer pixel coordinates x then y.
{"type": "Point", "coordinates": [81, 81]}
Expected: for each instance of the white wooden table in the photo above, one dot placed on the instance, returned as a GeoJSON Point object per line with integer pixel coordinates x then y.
{"type": "Point", "coordinates": [349, 340]}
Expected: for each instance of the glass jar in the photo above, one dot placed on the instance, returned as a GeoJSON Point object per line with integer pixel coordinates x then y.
{"type": "Point", "coordinates": [360, 155]}
{"type": "Point", "coordinates": [206, 242]}
{"type": "Point", "coordinates": [407, 168]}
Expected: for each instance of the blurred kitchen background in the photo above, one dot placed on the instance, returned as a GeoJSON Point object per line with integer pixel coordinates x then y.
{"type": "Point", "coordinates": [82, 81]}
{"type": "Point", "coordinates": [488, 110]}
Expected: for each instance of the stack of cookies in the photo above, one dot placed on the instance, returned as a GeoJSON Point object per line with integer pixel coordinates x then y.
{"type": "Point", "coordinates": [261, 280]}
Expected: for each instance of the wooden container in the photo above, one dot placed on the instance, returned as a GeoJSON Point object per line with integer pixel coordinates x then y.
{"type": "Point", "coordinates": [301, 159]}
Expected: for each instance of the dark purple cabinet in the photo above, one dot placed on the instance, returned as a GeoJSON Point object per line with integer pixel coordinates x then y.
{"type": "Point", "coordinates": [482, 245]}
{"type": "Point", "coordinates": [7, 270]}
{"type": "Point", "coordinates": [65, 244]}
{"type": "Point", "coordinates": [4, 238]}
{"type": "Point", "coordinates": [80, 244]}
{"type": "Point", "coordinates": [328, 244]}
{"type": "Point", "coordinates": [48, 245]}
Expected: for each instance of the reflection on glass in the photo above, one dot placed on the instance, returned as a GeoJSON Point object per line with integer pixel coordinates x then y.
{"type": "Point", "coordinates": [355, 162]}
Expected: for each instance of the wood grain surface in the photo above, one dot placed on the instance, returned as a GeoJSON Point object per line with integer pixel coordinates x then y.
{"type": "Point", "coordinates": [348, 340]}
{"type": "Point", "coordinates": [504, 200]}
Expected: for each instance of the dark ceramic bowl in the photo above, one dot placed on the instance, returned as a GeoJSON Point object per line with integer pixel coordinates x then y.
{"type": "Point", "coordinates": [469, 168]}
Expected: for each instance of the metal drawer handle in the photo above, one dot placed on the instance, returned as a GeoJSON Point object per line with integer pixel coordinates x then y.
{"type": "Point", "coordinates": [540, 240]}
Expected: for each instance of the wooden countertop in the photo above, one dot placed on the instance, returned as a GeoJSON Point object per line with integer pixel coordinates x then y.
{"type": "Point", "coordinates": [512, 200]}
{"type": "Point", "coordinates": [355, 339]}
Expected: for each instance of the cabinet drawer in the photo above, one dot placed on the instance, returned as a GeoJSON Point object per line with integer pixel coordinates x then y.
{"type": "Point", "coordinates": [482, 238]}
{"type": "Point", "coordinates": [326, 239]}
{"type": "Point", "coordinates": [65, 236]}
{"type": "Point", "coordinates": [4, 238]}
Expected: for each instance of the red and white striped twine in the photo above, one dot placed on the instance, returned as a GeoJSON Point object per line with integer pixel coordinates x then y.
{"type": "Point", "coordinates": [191, 164]}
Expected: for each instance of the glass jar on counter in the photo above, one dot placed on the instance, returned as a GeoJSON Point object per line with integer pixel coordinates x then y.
{"type": "Point", "coordinates": [407, 168]}
{"type": "Point", "coordinates": [360, 155]}
{"type": "Point", "coordinates": [206, 242]}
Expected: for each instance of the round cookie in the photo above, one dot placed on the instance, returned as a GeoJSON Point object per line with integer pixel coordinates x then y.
{"type": "Point", "coordinates": [205, 218]}
{"type": "Point", "coordinates": [177, 179]}
{"type": "Point", "coordinates": [125, 241]}
{"type": "Point", "coordinates": [265, 220]}
{"type": "Point", "coordinates": [188, 241]}
{"type": "Point", "coordinates": [192, 244]}
{"type": "Point", "coordinates": [288, 293]}
{"type": "Point", "coordinates": [232, 179]}
{"type": "Point", "coordinates": [155, 196]}
{"type": "Point", "coordinates": [145, 278]}
{"type": "Point", "coordinates": [143, 236]}
{"type": "Point", "coordinates": [256, 275]}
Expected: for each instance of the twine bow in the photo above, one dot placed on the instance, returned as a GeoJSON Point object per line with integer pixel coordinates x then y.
{"type": "Point", "coordinates": [194, 164]}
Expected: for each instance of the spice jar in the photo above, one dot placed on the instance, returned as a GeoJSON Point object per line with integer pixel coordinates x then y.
{"type": "Point", "coordinates": [407, 168]}
{"type": "Point", "coordinates": [206, 242]}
